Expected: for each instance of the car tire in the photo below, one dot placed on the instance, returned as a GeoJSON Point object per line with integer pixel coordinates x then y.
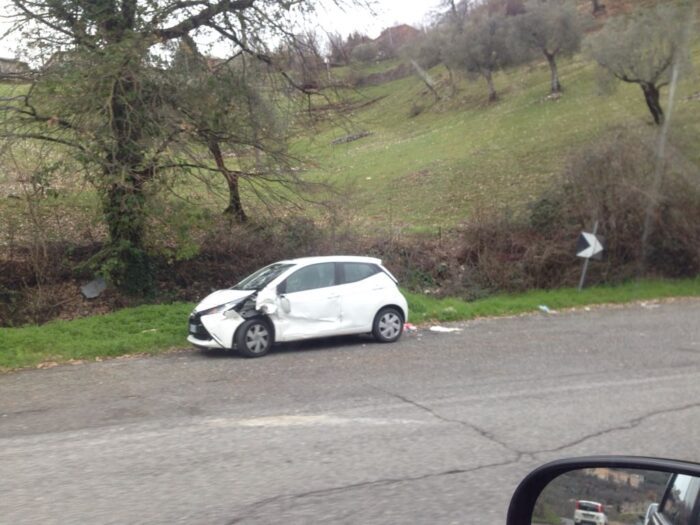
{"type": "Point", "coordinates": [388, 325]}
{"type": "Point", "coordinates": [254, 338]}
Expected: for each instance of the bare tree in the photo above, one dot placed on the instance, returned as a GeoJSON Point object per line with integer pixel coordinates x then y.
{"type": "Point", "coordinates": [553, 28]}
{"type": "Point", "coordinates": [301, 56]}
{"type": "Point", "coordinates": [337, 49]}
{"type": "Point", "coordinates": [236, 113]}
{"type": "Point", "coordinates": [642, 49]}
{"type": "Point", "coordinates": [104, 99]}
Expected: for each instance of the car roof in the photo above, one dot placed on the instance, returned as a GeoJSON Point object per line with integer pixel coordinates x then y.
{"type": "Point", "coordinates": [333, 258]}
{"type": "Point", "coordinates": [588, 501]}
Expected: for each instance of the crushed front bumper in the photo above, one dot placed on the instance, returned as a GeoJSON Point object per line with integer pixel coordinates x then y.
{"type": "Point", "coordinates": [202, 343]}
{"type": "Point", "coordinates": [198, 335]}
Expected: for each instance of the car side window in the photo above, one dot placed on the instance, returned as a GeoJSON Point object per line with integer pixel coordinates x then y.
{"type": "Point", "coordinates": [311, 277]}
{"type": "Point", "coordinates": [354, 272]}
{"type": "Point", "coordinates": [681, 500]}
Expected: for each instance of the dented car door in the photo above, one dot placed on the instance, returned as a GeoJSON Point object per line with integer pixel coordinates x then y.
{"type": "Point", "coordinates": [308, 303]}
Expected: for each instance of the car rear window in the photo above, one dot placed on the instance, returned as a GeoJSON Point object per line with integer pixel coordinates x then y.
{"type": "Point", "coordinates": [353, 271]}
{"type": "Point", "coordinates": [588, 506]}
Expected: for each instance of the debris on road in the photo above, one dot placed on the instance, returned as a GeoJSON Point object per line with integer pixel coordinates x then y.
{"type": "Point", "coordinates": [444, 329]}
{"type": "Point", "coordinates": [408, 327]}
{"type": "Point", "coordinates": [351, 138]}
{"type": "Point", "coordinates": [545, 309]}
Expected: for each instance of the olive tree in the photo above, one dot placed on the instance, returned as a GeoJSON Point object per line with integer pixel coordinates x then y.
{"type": "Point", "coordinates": [642, 49]}
{"type": "Point", "coordinates": [552, 28]}
{"type": "Point", "coordinates": [481, 47]}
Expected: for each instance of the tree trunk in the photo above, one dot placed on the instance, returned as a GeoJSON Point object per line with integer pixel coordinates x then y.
{"type": "Point", "coordinates": [453, 84]}
{"type": "Point", "coordinates": [652, 95]}
{"type": "Point", "coordinates": [597, 7]}
{"type": "Point", "coordinates": [235, 206]}
{"type": "Point", "coordinates": [426, 79]}
{"type": "Point", "coordinates": [556, 85]}
{"type": "Point", "coordinates": [493, 96]}
{"type": "Point", "coordinates": [128, 264]}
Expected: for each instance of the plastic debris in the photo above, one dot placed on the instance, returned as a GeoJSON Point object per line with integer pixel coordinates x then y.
{"type": "Point", "coordinates": [94, 288]}
{"type": "Point", "coordinates": [544, 308]}
{"type": "Point", "coordinates": [649, 306]}
{"type": "Point", "coordinates": [408, 327]}
{"type": "Point", "coordinates": [444, 329]}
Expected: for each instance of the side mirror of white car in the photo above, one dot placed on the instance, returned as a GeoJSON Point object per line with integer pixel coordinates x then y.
{"type": "Point", "coordinates": [285, 304]}
{"type": "Point", "coordinates": [608, 489]}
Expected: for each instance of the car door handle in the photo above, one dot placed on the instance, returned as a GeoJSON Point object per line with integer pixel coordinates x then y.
{"type": "Point", "coordinates": [332, 296]}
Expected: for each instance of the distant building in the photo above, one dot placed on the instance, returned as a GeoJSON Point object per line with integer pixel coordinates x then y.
{"type": "Point", "coordinates": [619, 477]}
{"type": "Point", "coordinates": [11, 68]}
{"type": "Point", "coordinates": [394, 38]}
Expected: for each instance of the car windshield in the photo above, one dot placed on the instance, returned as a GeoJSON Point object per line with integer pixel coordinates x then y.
{"type": "Point", "coordinates": [262, 277]}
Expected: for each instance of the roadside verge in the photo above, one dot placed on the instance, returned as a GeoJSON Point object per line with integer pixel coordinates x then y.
{"type": "Point", "coordinates": [160, 328]}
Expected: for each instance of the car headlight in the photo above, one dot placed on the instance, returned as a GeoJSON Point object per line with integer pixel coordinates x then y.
{"type": "Point", "coordinates": [220, 308]}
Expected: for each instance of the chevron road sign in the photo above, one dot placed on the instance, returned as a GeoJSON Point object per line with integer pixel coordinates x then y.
{"type": "Point", "coordinates": [589, 246]}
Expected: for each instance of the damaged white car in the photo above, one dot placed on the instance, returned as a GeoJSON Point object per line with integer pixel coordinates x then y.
{"type": "Point", "coordinates": [301, 299]}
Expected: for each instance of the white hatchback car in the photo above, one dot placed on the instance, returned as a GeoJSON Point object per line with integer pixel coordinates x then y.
{"type": "Point", "coordinates": [301, 299]}
{"type": "Point", "coordinates": [590, 513]}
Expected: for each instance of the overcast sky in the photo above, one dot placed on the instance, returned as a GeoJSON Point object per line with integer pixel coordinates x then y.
{"type": "Point", "coordinates": [386, 14]}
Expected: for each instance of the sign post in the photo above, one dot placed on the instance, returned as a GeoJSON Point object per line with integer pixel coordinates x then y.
{"type": "Point", "coordinates": [589, 247]}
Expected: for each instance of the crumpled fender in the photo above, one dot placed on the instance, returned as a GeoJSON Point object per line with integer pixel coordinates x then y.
{"type": "Point", "coordinates": [266, 301]}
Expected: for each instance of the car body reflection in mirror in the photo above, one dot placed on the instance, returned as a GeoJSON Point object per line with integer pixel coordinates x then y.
{"type": "Point", "coordinates": [609, 491]}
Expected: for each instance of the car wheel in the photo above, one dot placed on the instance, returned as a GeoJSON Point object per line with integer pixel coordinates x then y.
{"type": "Point", "coordinates": [254, 338]}
{"type": "Point", "coordinates": [388, 325]}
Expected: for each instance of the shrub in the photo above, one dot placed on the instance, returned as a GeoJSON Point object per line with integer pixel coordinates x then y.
{"type": "Point", "coordinates": [644, 210]}
{"type": "Point", "coordinates": [650, 220]}
{"type": "Point", "coordinates": [365, 53]}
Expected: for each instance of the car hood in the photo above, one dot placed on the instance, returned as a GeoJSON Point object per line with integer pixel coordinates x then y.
{"type": "Point", "coordinates": [222, 297]}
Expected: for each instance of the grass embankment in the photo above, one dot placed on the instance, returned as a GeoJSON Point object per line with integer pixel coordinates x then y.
{"type": "Point", "coordinates": [156, 329]}
{"type": "Point", "coordinates": [462, 154]}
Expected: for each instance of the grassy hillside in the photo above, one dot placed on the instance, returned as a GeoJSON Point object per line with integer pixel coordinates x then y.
{"type": "Point", "coordinates": [462, 154]}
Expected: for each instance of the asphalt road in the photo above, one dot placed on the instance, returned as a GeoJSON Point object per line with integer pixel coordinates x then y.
{"type": "Point", "coordinates": [437, 428]}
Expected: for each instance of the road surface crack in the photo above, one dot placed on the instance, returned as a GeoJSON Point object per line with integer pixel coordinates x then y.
{"type": "Point", "coordinates": [471, 426]}
{"type": "Point", "coordinates": [253, 508]}
{"type": "Point", "coordinates": [629, 425]}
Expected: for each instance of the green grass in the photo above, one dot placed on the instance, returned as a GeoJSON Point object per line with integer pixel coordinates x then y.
{"type": "Point", "coordinates": [467, 154]}
{"type": "Point", "coordinates": [155, 329]}
{"type": "Point", "coordinates": [144, 329]}
{"type": "Point", "coordinates": [425, 309]}
{"type": "Point", "coordinates": [462, 154]}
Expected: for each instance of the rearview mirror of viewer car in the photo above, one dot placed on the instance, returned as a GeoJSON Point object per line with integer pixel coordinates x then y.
{"type": "Point", "coordinates": [608, 491]}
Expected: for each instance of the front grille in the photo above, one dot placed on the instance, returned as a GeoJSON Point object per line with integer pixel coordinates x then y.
{"type": "Point", "coordinates": [196, 328]}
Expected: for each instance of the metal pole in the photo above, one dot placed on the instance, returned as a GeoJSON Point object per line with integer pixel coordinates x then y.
{"type": "Point", "coordinates": [585, 263]}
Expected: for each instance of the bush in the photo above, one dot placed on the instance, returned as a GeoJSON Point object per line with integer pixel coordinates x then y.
{"type": "Point", "coordinates": [365, 53]}
{"type": "Point", "coordinates": [651, 228]}
{"type": "Point", "coordinates": [617, 184]}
